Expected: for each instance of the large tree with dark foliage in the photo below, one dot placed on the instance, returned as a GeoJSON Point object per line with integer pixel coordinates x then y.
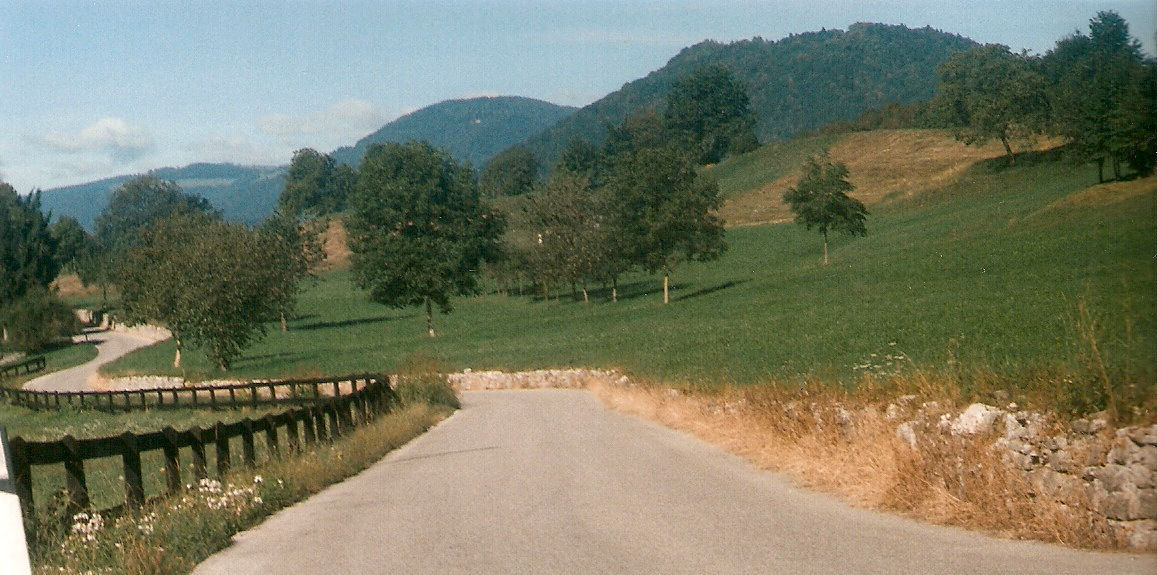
{"type": "Point", "coordinates": [315, 185]}
{"type": "Point", "coordinates": [512, 172]}
{"type": "Point", "coordinates": [418, 229]}
{"type": "Point", "coordinates": [709, 113]}
{"type": "Point", "coordinates": [31, 316]}
{"type": "Point", "coordinates": [661, 212]}
{"type": "Point", "coordinates": [990, 93]}
{"type": "Point", "coordinates": [1104, 97]}
{"type": "Point", "coordinates": [139, 203]}
{"type": "Point", "coordinates": [196, 275]}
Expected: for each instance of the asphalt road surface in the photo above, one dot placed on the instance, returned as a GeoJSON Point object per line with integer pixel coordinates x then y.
{"type": "Point", "coordinates": [110, 345]}
{"type": "Point", "coordinates": [551, 482]}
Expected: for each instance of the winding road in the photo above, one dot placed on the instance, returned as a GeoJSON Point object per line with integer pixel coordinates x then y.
{"type": "Point", "coordinates": [110, 345]}
{"type": "Point", "coordinates": [552, 482]}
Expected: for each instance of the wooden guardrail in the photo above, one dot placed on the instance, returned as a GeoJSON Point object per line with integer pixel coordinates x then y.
{"type": "Point", "coordinates": [252, 394]}
{"type": "Point", "coordinates": [324, 420]}
{"type": "Point", "coordinates": [29, 365]}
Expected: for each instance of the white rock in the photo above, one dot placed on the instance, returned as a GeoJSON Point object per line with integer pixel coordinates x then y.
{"type": "Point", "coordinates": [978, 417]}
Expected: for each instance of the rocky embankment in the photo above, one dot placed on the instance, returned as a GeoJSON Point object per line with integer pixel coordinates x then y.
{"type": "Point", "coordinates": [1088, 467]}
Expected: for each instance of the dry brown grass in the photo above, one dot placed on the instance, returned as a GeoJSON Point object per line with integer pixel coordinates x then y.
{"type": "Point", "coordinates": [337, 252]}
{"type": "Point", "coordinates": [69, 285]}
{"type": "Point", "coordinates": [883, 165]}
{"type": "Point", "coordinates": [843, 444]}
{"type": "Point", "coordinates": [1105, 194]}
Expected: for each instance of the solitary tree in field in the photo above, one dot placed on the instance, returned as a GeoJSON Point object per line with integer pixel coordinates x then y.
{"type": "Point", "coordinates": [199, 277]}
{"type": "Point", "coordinates": [417, 228]}
{"type": "Point", "coordinates": [820, 200]}
{"type": "Point", "coordinates": [290, 249]}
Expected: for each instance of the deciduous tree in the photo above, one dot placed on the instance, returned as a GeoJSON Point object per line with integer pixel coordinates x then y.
{"type": "Point", "coordinates": [512, 172]}
{"type": "Point", "coordinates": [820, 200]}
{"type": "Point", "coordinates": [990, 93]}
{"type": "Point", "coordinates": [290, 249]}
{"type": "Point", "coordinates": [199, 277]}
{"type": "Point", "coordinates": [709, 113]}
{"type": "Point", "coordinates": [662, 213]}
{"type": "Point", "coordinates": [418, 230]}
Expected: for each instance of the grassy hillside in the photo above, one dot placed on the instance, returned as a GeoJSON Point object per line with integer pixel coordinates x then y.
{"type": "Point", "coordinates": [796, 84]}
{"type": "Point", "coordinates": [986, 271]}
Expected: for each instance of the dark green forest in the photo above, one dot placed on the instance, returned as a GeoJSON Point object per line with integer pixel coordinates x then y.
{"type": "Point", "coordinates": [796, 84]}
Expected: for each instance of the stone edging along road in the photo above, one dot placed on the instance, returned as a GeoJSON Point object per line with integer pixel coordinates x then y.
{"type": "Point", "coordinates": [550, 481]}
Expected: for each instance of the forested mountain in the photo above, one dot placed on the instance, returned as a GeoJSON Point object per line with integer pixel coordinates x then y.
{"type": "Point", "coordinates": [244, 194]}
{"type": "Point", "coordinates": [795, 84]}
{"type": "Point", "coordinates": [473, 130]}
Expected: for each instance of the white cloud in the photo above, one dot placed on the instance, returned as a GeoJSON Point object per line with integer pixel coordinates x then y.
{"type": "Point", "coordinates": [236, 148]}
{"type": "Point", "coordinates": [121, 141]}
{"type": "Point", "coordinates": [342, 124]}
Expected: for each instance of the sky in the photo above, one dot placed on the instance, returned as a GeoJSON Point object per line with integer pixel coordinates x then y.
{"type": "Point", "coordinates": [95, 89]}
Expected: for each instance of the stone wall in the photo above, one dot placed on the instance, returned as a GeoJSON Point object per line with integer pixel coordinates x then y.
{"type": "Point", "coordinates": [1086, 465]}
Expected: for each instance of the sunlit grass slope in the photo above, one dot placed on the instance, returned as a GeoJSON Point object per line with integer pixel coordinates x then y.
{"type": "Point", "coordinates": [984, 271]}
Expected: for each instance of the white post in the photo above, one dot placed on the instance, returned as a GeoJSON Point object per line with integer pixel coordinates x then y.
{"type": "Point", "coordinates": [13, 546]}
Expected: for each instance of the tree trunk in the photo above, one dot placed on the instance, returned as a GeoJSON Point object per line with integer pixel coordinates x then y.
{"type": "Point", "coordinates": [1116, 169]}
{"type": "Point", "coordinates": [284, 326]}
{"type": "Point", "coordinates": [1007, 149]}
{"type": "Point", "coordinates": [545, 291]}
{"type": "Point", "coordinates": [1100, 170]}
{"type": "Point", "coordinates": [666, 291]}
{"type": "Point", "coordinates": [177, 355]}
{"type": "Point", "coordinates": [614, 290]}
{"type": "Point", "coordinates": [586, 296]}
{"type": "Point", "coordinates": [825, 247]}
{"type": "Point", "coordinates": [429, 318]}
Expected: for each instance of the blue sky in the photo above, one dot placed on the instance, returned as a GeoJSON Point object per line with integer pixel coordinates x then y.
{"type": "Point", "coordinates": [95, 89]}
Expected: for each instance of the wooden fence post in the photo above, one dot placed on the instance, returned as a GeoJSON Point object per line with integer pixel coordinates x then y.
{"type": "Point", "coordinates": [74, 476]}
{"type": "Point", "coordinates": [172, 460]}
{"type": "Point", "coordinates": [307, 425]}
{"type": "Point", "coordinates": [131, 460]}
{"type": "Point", "coordinates": [271, 436]}
{"type": "Point", "coordinates": [317, 412]}
{"type": "Point", "coordinates": [22, 475]}
{"type": "Point", "coordinates": [222, 440]}
{"type": "Point", "coordinates": [334, 428]}
{"type": "Point", "coordinates": [248, 453]}
{"type": "Point", "coordinates": [291, 432]}
{"type": "Point", "coordinates": [198, 448]}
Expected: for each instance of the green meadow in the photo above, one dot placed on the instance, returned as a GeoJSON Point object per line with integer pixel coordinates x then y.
{"type": "Point", "coordinates": [1012, 272]}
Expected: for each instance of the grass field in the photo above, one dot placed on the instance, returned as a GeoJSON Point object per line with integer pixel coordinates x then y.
{"type": "Point", "coordinates": [987, 273]}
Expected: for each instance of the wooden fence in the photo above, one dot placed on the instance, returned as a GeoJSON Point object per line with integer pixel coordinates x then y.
{"type": "Point", "coordinates": [27, 366]}
{"type": "Point", "coordinates": [324, 420]}
{"type": "Point", "coordinates": [253, 394]}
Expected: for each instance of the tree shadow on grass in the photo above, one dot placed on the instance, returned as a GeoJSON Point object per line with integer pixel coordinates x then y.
{"type": "Point", "coordinates": [710, 290]}
{"type": "Point", "coordinates": [348, 322]}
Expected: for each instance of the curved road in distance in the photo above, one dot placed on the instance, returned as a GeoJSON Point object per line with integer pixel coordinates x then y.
{"type": "Point", "coordinates": [110, 345]}
{"type": "Point", "coordinates": [552, 482]}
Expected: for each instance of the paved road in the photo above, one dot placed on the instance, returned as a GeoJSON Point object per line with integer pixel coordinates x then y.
{"type": "Point", "coordinates": [551, 482]}
{"type": "Point", "coordinates": [110, 345]}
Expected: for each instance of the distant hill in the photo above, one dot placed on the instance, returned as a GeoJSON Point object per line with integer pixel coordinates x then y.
{"type": "Point", "coordinates": [472, 130]}
{"type": "Point", "coordinates": [244, 194]}
{"type": "Point", "coordinates": [796, 84]}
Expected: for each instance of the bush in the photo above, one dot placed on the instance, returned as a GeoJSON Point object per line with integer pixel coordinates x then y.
{"type": "Point", "coordinates": [422, 379]}
{"type": "Point", "coordinates": [38, 319]}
